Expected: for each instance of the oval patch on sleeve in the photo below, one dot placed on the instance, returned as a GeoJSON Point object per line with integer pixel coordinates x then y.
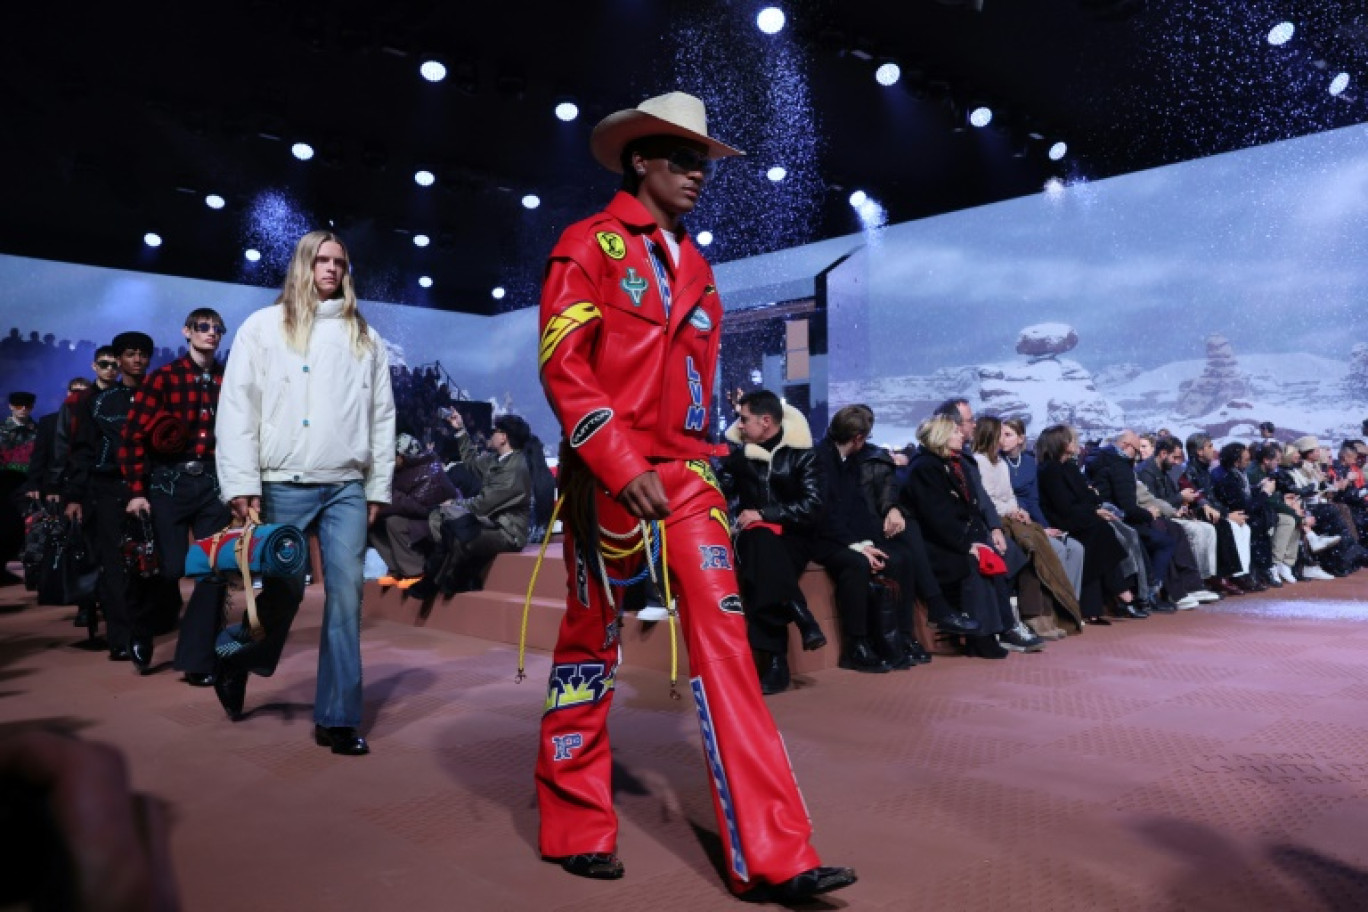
{"type": "Point", "coordinates": [589, 425]}
{"type": "Point", "coordinates": [612, 244]}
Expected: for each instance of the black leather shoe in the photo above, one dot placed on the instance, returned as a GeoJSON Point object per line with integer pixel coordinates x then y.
{"type": "Point", "coordinates": [915, 652]}
{"type": "Point", "coordinates": [199, 679]}
{"type": "Point", "coordinates": [140, 652]}
{"type": "Point", "coordinates": [1130, 610]}
{"type": "Point", "coordinates": [1161, 606]}
{"type": "Point", "coordinates": [82, 618]}
{"type": "Point", "coordinates": [813, 882]}
{"type": "Point", "coordinates": [957, 622]}
{"type": "Point", "coordinates": [985, 647]}
{"type": "Point", "coordinates": [813, 638]}
{"type": "Point", "coordinates": [775, 679]}
{"type": "Point", "coordinates": [118, 654]}
{"type": "Point", "coordinates": [860, 656]}
{"type": "Point", "coordinates": [231, 689]}
{"type": "Point", "coordinates": [1098, 621]}
{"type": "Point", "coordinates": [596, 865]}
{"type": "Point", "coordinates": [341, 739]}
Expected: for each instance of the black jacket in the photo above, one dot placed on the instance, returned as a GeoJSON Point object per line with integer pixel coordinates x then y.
{"type": "Point", "coordinates": [949, 523]}
{"type": "Point", "coordinates": [1113, 475]}
{"type": "Point", "coordinates": [1069, 502]}
{"type": "Point", "coordinates": [847, 516]}
{"type": "Point", "coordinates": [878, 479]}
{"type": "Point", "coordinates": [782, 483]}
{"type": "Point", "coordinates": [1160, 483]}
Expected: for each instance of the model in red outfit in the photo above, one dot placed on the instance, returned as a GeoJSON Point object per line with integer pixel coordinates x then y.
{"type": "Point", "coordinates": [630, 326]}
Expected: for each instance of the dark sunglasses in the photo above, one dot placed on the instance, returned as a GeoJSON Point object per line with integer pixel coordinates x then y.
{"type": "Point", "coordinates": [106, 365]}
{"type": "Point", "coordinates": [205, 326]}
{"type": "Point", "coordinates": [683, 160]}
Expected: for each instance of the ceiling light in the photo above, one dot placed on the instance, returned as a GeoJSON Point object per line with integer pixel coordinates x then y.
{"type": "Point", "coordinates": [214, 201]}
{"type": "Point", "coordinates": [421, 240]}
{"type": "Point", "coordinates": [152, 239]}
{"type": "Point", "coordinates": [858, 198]}
{"type": "Point", "coordinates": [531, 201]}
{"type": "Point", "coordinates": [302, 151]}
{"type": "Point", "coordinates": [498, 293]}
{"type": "Point", "coordinates": [770, 20]}
{"type": "Point", "coordinates": [432, 71]}
{"type": "Point", "coordinates": [1054, 187]}
{"type": "Point", "coordinates": [567, 111]}
{"type": "Point", "coordinates": [776, 174]}
{"type": "Point", "coordinates": [703, 238]}
{"type": "Point", "coordinates": [981, 116]}
{"type": "Point", "coordinates": [1339, 83]}
{"type": "Point", "coordinates": [1058, 150]}
{"type": "Point", "coordinates": [1281, 33]}
{"type": "Point", "coordinates": [425, 281]}
{"type": "Point", "coordinates": [252, 254]}
{"type": "Point", "coordinates": [888, 74]}
{"type": "Point", "coordinates": [424, 178]}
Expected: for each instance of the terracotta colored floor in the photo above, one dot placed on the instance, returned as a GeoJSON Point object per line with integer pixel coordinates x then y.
{"type": "Point", "coordinates": [1213, 760]}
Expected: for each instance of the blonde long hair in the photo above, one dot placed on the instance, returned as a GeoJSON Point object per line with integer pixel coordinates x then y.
{"type": "Point", "coordinates": [299, 298]}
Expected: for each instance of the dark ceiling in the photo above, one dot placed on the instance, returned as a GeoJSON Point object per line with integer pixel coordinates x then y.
{"type": "Point", "coordinates": [118, 122]}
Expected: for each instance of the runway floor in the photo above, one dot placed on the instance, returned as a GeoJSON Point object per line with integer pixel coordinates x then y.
{"type": "Point", "coordinates": [1211, 760]}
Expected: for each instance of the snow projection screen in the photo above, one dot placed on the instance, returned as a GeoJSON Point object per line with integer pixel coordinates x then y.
{"type": "Point", "coordinates": [1210, 295]}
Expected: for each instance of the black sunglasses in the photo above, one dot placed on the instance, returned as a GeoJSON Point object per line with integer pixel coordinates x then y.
{"type": "Point", "coordinates": [106, 365]}
{"type": "Point", "coordinates": [204, 326]}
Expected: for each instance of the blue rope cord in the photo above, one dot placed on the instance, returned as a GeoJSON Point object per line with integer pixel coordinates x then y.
{"type": "Point", "coordinates": [645, 570]}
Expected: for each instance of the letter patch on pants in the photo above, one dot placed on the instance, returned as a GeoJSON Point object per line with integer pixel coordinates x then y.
{"type": "Point", "coordinates": [577, 684]}
{"type": "Point", "coordinates": [715, 557]}
{"type": "Point", "coordinates": [719, 774]}
{"type": "Point", "coordinates": [566, 745]}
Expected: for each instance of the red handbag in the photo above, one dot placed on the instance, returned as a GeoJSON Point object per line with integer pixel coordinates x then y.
{"type": "Point", "coordinates": [990, 562]}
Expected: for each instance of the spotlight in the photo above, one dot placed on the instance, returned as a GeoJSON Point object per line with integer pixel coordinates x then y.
{"type": "Point", "coordinates": [888, 74]}
{"type": "Point", "coordinates": [1281, 33]}
{"type": "Point", "coordinates": [214, 201]}
{"type": "Point", "coordinates": [424, 178]}
{"type": "Point", "coordinates": [1058, 151]}
{"type": "Point", "coordinates": [152, 239]}
{"type": "Point", "coordinates": [703, 238]}
{"type": "Point", "coordinates": [872, 215]}
{"type": "Point", "coordinates": [858, 198]}
{"type": "Point", "coordinates": [981, 116]}
{"type": "Point", "coordinates": [770, 20]}
{"type": "Point", "coordinates": [1339, 84]}
{"type": "Point", "coordinates": [1054, 187]}
{"type": "Point", "coordinates": [252, 254]}
{"type": "Point", "coordinates": [432, 71]}
{"type": "Point", "coordinates": [302, 151]}
{"type": "Point", "coordinates": [498, 293]}
{"type": "Point", "coordinates": [531, 201]}
{"type": "Point", "coordinates": [425, 281]}
{"type": "Point", "coordinates": [421, 240]}
{"type": "Point", "coordinates": [567, 111]}
{"type": "Point", "coordinates": [776, 174]}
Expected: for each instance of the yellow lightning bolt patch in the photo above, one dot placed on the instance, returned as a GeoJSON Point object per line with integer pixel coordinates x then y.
{"type": "Point", "coordinates": [704, 471]}
{"type": "Point", "coordinates": [562, 325]}
{"type": "Point", "coordinates": [720, 515]}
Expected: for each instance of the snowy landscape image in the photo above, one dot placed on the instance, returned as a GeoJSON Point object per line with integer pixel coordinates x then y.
{"type": "Point", "coordinates": [1210, 295]}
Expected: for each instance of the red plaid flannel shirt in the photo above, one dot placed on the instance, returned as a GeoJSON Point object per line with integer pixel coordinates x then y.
{"type": "Point", "coordinates": [177, 389]}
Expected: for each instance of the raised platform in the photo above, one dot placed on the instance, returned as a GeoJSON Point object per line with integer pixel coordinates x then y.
{"type": "Point", "coordinates": [495, 613]}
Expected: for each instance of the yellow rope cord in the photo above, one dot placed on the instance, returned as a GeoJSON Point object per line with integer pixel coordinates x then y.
{"type": "Point", "coordinates": [531, 584]}
{"type": "Point", "coordinates": [673, 613]}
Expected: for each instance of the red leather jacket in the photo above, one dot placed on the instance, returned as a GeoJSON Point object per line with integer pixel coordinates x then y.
{"type": "Point", "coordinates": [629, 384]}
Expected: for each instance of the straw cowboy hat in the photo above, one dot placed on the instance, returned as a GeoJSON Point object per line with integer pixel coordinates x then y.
{"type": "Point", "coordinates": [673, 114]}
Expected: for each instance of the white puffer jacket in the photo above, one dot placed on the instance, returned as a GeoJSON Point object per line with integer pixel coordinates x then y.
{"type": "Point", "coordinates": [320, 418]}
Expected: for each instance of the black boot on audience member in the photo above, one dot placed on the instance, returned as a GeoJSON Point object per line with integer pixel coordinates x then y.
{"type": "Point", "coordinates": [774, 673]}
{"type": "Point", "coordinates": [915, 652]}
{"type": "Point", "coordinates": [860, 656]}
{"type": "Point", "coordinates": [985, 647]}
{"type": "Point", "coordinates": [811, 631]}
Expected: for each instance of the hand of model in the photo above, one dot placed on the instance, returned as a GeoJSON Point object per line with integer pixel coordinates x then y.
{"type": "Point", "coordinates": [242, 506]}
{"type": "Point", "coordinates": [645, 498]}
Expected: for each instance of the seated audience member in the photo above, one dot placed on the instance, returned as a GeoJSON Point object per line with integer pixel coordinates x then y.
{"type": "Point", "coordinates": [1286, 512]}
{"type": "Point", "coordinates": [1332, 522]}
{"type": "Point", "coordinates": [401, 532]}
{"type": "Point", "coordinates": [1071, 504]}
{"type": "Point", "coordinates": [1267, 431]}
{"type": "Point", "coordinates": [1232, 490]}
{"type": "Point", "coordinates": [1155, 474]}
{"type": "Point", "coordinates": [852, 521]}
{"type": "Point", "coordinates": [472, 531]}
{"type": "Point", "coordinates": [1190, 567]}
{"type": "Point", "coordinates": [1111, 471]}
{"type": "Point", "coordinates": [772, 480]}
{"type": "Point", "coordinates": [967, 552]}
{"type": "Point", "coordinates": [1348, 468]}
{"type": "Point", "coordinates": [1052, 586]}
{"type": "Point", "coordinates": [17, 440]}
{"type": "Point", "coordinates": [1232, 528]}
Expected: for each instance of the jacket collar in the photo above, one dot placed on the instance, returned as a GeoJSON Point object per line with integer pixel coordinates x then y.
{"type": "Point", "coordinates": [628, 209]}
{"type": "Point", "coordinates": [793, 430]}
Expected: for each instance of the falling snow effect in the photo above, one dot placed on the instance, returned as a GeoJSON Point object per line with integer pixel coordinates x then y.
{"type": "Point", "coordinates": [756, 90]}
{"type": "Point", "coordinates": [273, 225]}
